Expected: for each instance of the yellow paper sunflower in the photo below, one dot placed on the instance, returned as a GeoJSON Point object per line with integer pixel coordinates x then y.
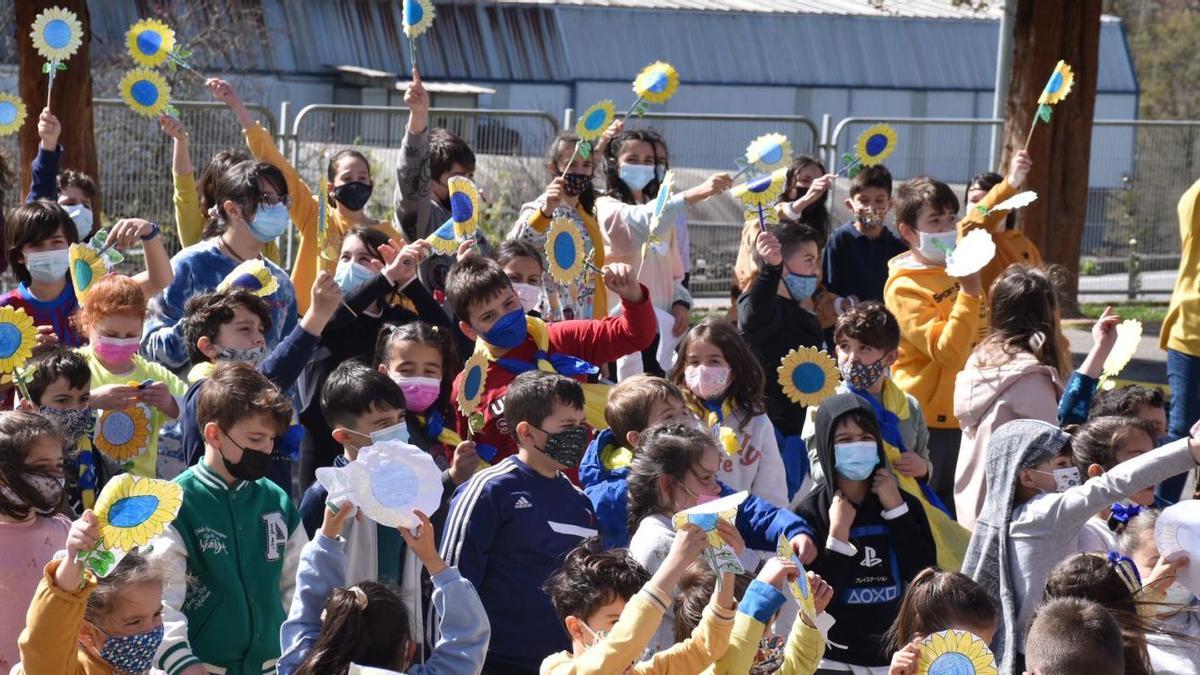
{"type": "Point", "coordinates": [875, 144]}
{"type": "Point", "coordinates": [762, 191]}
{"type": "Point", "coordinates": [1129, 335]}
{"type": "Point", "coordinates": [464, 207]}
{"type": "Point", "coordinates": [729, 441]}
{"type": "Point", "coordinates": [955, 652]}
{"type": "Point", "coordinates": [657, 82]}
{"type": "Point", "coordinates": [474, 380]}
{"type": "Point", "coordinates": [150, 42]}
{"type": "Point", "coordinates": [146, 91]}
{"type": "Point", "coordinates": [808, 376]}
{"type": "Point", "coordinates": [1059, 84]}
{"type": "Point", "coordinates": [57, 34]}
{"type": "Point", "coordinates": [12, 113]}
{"type": "Point", "coordinates": [769, 152]}
{"type": "Point", "coordinates": [123, 434]}
{"type": "Point", "coordinates": [595, 120]}
{"type": "Point", "coordinates": [132, 510]}
{"type": "Point", "coordinates": [418, 17]}
{"type": "Point", "coordinates": [253, 276]}
{"type": "Point", "coordinates": [86, 266]}
{"type": "Point", "coordinates": [801, 590]}
{"type": "Point", "coordinates": [18, 336]}
{"type": "Point", "coordinates": [564, 250]}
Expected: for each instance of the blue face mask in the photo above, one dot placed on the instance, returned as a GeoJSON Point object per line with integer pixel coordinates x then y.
{"type": "Point", "coordinates": [509, 331]}
{"type": "Point", "coordinates": [132, 653]}
{"type": "Point", "coordinates": [800, 286]}
{"type": "Point", "coordinates": [270, 222]}
{"type": "Point", "coordinates": [350, 276]}
{"type": "Point", "coordinates": [82, 217]}
{"type": "Point", "coordinates": [856, 461]}
{"type": "Point", "coordinates": [396, 432]}
{"type": "Point", "coordinates": [636, 176]}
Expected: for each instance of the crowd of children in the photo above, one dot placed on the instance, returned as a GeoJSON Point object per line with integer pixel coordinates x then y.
{"type": "Point", "coordinates": [962, 476]}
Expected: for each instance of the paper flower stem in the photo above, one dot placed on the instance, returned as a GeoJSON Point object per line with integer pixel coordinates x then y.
{"type": "Point", "coordinates": [741, 172]}
{"type": "Point", "coordinates": [1029, 136]}
{"type": "Point", "coordinates": [412, 51]}
{"type": "Point", "coordinates": [50, 87]}
{"type": "Point", "coordinates": [849, 166]}
{"type": "Point", "coordinates": [572, 160]}
{"type": "Point", "coordinates": [183, 64]}
{"type": "Point", "coordinates": [632, 108]}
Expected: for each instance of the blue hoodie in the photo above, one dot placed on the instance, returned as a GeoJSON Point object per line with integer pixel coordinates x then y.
{"type": "Point", "coordinates": [759, 522]}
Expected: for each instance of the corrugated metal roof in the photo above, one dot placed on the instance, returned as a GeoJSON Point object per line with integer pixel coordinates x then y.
{"type": "Point", "coordinates": [941, 9]}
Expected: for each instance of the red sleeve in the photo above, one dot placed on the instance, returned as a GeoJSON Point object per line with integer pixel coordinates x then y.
{"type": "Point", "coordinates": [599, 341]}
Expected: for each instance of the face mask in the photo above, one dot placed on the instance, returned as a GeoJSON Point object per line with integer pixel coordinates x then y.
{"type": "Point", "coordinates": [47, 266]}
{"type": "Point", "coordinates": [567, 446]}
{"type": "Point", "coordinates": [253, 355]}
{"type": "Point", "coordinates": [856, 461]}
{"type": "Point", "coordinates": [350, 276]}
{"type": "Point", "coordinates": [396, 432]}
{"type": "Point", "coordinates": [419, 392]}
{"type": "Point", "coordinates": [82, 217]}
{"type": "Point", "coordinates": [251, 467]}
{"type": "Point", "coordinates": [48, 490]}
{"type": "Point", "coordinates": [860, 375]}
{"type": "Point", "coordinates": [636, 176]}
{"type": "Point", "coordinates": [270, 222]}
{"type": "Point", "coordinates": [115, 350]}
{"type": "Point", "coordinates": [1178, 594]}
{"type": "Point", "coordinates": [72, 423]}
{"type": "Point", "coordinates": [131, 653]}
{"type": "Point", "coordinates": [1064, 479]}
{"type": "Point", "coordinates": [509, 331]}
{"type": "Point", "coordinates": [353, 196]}
{"type": "Point", "coordinates": [870, 217]}
{"type": "Point", "coordinates": [530, 295]}
{"type": "Point", "coordinates": [577, 183]}
{"type": "Point", "coordinates": [938, 246]}
{"type": "Point", "coordinates": [707, 382]}
{"type": "Point", "coordinates": [597, 635]}
{"type": "Point", "coordinates": [800, 286]}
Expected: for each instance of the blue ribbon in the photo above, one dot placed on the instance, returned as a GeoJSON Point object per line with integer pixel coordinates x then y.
{"type": "Point", "coordinates": [1122, 513]}
{"type": "Point", "coordinates": [563, 364]}
{"type": "Point", "coordinates": [435, 422]}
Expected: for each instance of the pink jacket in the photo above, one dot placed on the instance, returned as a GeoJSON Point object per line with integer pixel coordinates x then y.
{"type": "Point", "coordinates": [986, 397]}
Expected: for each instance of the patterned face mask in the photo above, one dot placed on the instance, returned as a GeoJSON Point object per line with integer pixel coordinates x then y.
{"type": "Point", "coordinates": [72, 423]}
{"type": "Point", "coordinates": [253, 355]}
{"type": "Point", "coordinates": [131, 653]}
{"type": "Point", "coordinates": [770, 655]}
{"type": "Point", "coordinates": [862, 376]}
{"type": "Point", "coordinates": [48, 488]}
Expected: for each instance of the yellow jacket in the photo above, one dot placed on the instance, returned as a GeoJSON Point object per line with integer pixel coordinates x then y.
{"type": "Point", "coordinates": [189, 220]}
{"type": "Point", "coordinates": [49, 644]}
{"type": "Point", "coordinates": [1181, 328]}
{"type": "Point", "coordinates": [304, 214]}
{"type": "Point", "coordinates": [1011, 245]}
{"type": "Point", "coordinates": [801, 655]}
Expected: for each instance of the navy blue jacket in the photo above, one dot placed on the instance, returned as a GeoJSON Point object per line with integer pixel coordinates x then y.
{"type": "Point", "coordinates": [854, 264]}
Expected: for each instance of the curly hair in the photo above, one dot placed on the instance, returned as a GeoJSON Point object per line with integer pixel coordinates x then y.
{"type": "Point", "coordinates": [112, 294]}
{"type": "Point", "coordinates": [592, 577]}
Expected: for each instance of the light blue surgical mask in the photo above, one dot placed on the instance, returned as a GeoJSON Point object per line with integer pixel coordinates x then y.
{"type": "Point", "coordinates": [350, 276]}
{"type": "Point", "coordinates": [396, 432]}
{"type": "Point", "coordinates": [636, 176]}
{"type": "Point", "coordinates": [82, 217]}
{"type": "Point", "coordinates": [48, 266]}
{"type": "Point", "coordinates": [270, 222]}
{"type": "Point", "coordinates": [937, 246]}
{"type": "Point", "coordinates": [800, 286]}
{"type": "Point", "coordinates": [856, 461]}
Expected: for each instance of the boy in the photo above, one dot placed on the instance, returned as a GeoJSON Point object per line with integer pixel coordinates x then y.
{"type": "Point", "coordinates": [1070, 636]}
{"type": "Point", "coordinates": [489, 311]}
{"type": "Point", "coordinates": [1012, 246]}
{"type": "Point", "coordinates": [777, 315]}
{"type": "Point", "coordinates": [1132, 400]}
{"type": "Point", "coordinates": [231, 555]}
{"type": "Point", "coordinates": [73, 190]}
{"type": "Point", "coordinates": [857, 253]}
{"type": "Point", "coordinates": [511, 525]}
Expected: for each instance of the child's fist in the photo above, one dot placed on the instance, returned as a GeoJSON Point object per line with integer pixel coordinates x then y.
{"type": "Point", "coordinates": [465, 462]}
{"type": "Point", "coordinates": [777, 571]}
{"type": "Point", "coordinates": [335, 519]}
{"type": "Point", "coordinates": [621, 279]}
{"type": "Point", "coordinates": [769, 249]}
{"type": "Point", "coordinates": [730, 534]}
{"type": "Point", "coordinates": [689, 541]}
{"type": "Point", "coordinates": [222, 90]}
{"type": "Point", "coordinates": [822, 592]}
{"type": "Point", "coordinates": [1019, 168]}
{"type": "Point", "coordinates": [83, 535]}
{"type": "Point", "coordinates": [422, 542]}
{"type": "Point", "coordinates": [128, 232]}
{"type": "Point", "coordinates": [718, 183]}
{"type": "Point", "coordinates": [172, 127]}
{"type": "Point", "coordinates": [555, 192]}
{"type": "Point", "coordinates": [841, 515]}
{"type": "Point", "coordinates": [402, 268]}
{"type": "Point", "coordinates": [884, 485]}
{"type": "Point", "coordinates": [49, 129]}
{"type": "Point", "coordinates": [912, 465]}
{"type": "Point", "coordinates": [326, 294]}
{"type": "Point", "coordinates": [416, 97]}
{"type": "Point", "coordinates": [904, 662]}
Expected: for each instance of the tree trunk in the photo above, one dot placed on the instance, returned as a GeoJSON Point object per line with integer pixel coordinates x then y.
{"type": "Point", "coordinates": [1044, 33]}
{"type": "Point", "coordinates": [72, 95]}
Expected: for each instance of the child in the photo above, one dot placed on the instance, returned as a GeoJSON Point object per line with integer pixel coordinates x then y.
{"type": "Point", "coordinates": [857, 254]}
{"type": "Point", "coordinates": [523, 264]}
{"type": "Point", "coordinates": [510, 525]}
{"type": "Point", "coordinates": [1034, 510]}
{"type": "Point", "coordinates": [1096, 447]}
{"type": "Point", "coordinates": [806, 195]}
{"type": "Point", "coordinates": [1012, 246]}
{"type": "Point", "coordinates": [723, 385]}
{"type": "Point", "coordinates": [1132, 400]}
{"type": "Point", "coordinates": [610, 605]}
{"type": "Point", "coordinates": [872, 538]}
{"type": "Point", "coordinates": [1082, 385]}
{"type": "Point", "coordinates": [81, 625]}
{"type": "Point", "coordinates": [331, 626]}
{"type": "Point", "coordinates": [31, 493]}
{"type": "Point", "coordinates": [1071, 636]}
{"type": "Point", "coordinates": [252, 202]}
{"type": "Point", "coordinates": [936, 601]}
{"type": "Point", "coordinates": [490, 312]}
{"type": "Point", "coordinates": [112, 316]}
{"type": "Point", "coordinates": [777, 315]}
{"type": "Point", "coordinates": [72, 190]}
{"type": "Point", "coordinates": [232, 552]}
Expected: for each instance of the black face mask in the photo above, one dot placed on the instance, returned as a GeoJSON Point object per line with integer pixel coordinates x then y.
{"type": "Point", "coordinates": [568, 446]}
{"type": "Point", "coordinates": [252, 466]}
{"type": "Point", "coordinates": [577, 184]}
{"type": "Point", "coordinates": [353, 196]}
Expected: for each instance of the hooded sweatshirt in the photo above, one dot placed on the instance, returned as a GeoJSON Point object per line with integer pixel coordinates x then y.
{"type": "Point", "coordinates": [871, 572]}
{"type": "Point", "coordinates": [1015, 545]}
{"type": "Point", "coordinates": [987, 396]}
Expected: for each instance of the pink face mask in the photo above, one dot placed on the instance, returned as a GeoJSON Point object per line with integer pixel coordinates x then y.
{"type": "Point", "coordinates": [115, 349]}
{"type": "Point", "coordinates": [707, 382]}
{"type": "Point", "coordinates": [419, 392]}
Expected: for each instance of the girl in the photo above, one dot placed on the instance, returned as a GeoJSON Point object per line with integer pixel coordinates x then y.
{"type": "Point", "coordinates": [570, 194]}
{"type": "Point", "coordinates": [111, 317]}
{"type": "Point", "coordinates": [1096, 447]}
{"type": "Point", "coordinates": [626, 213]}
{"type": "Point", "coordinates": [1012, 246]}
{"type": "Point", "coordinates": [31, 493]}
{"type": "Point", "coordinates": [330, 627]}
{"type": "Point", "coordinates": [936, 601]}
{"type": "Point", "coordinates": [522, 263]}
{"type": "Point", "coordinates": [723, 384]}
{"type": "Point", "coordinates": [872, 538]}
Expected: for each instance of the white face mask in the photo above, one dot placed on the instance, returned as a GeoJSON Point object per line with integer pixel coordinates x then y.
{"type": "Point", "coordinates": [530, 295]}
{"type": "Point", "coordinates": [82, 217]}
{"type": "Point", "coordinates": [48, 266]}
{"type": "Point", "coordinates": [1178, 594]}
{"type": "Point", "coordinates": [1064, 478]}
{"type": "Point", "coordinates": [937, 246]}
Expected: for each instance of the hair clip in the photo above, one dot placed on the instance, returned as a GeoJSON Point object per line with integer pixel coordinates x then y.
{"type": "Point", "coordinates": [1125, 569]}
{"type": "Point", "coordinates": [1122, 514]}
{"type": "Point", "coordinates": [360, 597]}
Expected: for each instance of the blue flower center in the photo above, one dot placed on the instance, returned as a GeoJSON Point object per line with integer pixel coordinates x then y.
{"type": "Point", "coordinates": [595, 119]}
{"type": "Point", "coordinates": [144, 92]}
{"type": "Point", "coordinates": [132, 511]}
{"type": "Point", "coordinates": [83, 274]}
{"type": "Point", "coordinates": [564, 250]}
{"type": "Point", "coordinates": [1055, 83]}
{"type": "Point", "coordinates": [808, 378]}
{"type": "Point", "coordinates": [773, 154]}
{"type": "Point", "coordinates": [395, 485]}
{"type": "Point", "coordinates": [57, 34]}
{"type": "Point", "coordinates": [876, 144]}
{"type": "Point", "coordinates": [472, 382]}
{"type": "Point", "coordinates": [413, 12]}
{"type": "Point", "coordinates": [658, 83]}
{"type": "Point", "coordinates": [461, 207]}
{"type": "Point", "coordinates": [10, 340]}
{"type": "Point", "coordinates": [118, 428]}
{"type": "Point", "coordinates": [149, 42]}
{"type": "Point", "coordinates": [8, 112]}
{"type": "Point", "coordinates": [951, 663]}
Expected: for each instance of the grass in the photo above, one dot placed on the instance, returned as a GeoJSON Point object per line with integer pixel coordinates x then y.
{"type": "Point", "coordinates": [1146, 312]}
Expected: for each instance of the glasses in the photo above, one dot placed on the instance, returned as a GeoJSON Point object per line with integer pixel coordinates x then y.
{"type": "Point", "coordinates": [268, 200]}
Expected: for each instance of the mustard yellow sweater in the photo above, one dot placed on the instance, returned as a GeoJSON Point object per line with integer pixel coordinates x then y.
{"type": "Point", "coordinates": [49, 643]}
{"type": "Point", "coordinates": [1181, 328]}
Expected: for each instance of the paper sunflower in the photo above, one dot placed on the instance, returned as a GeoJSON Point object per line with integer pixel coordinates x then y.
{"type": "Point", "coordinates": [762, 191]}
{"type": "Point", "coordinates": [146, 91]}
{"type": "Point", "coordinates": [1129, 335]}
{"type": "Point", "coordinates": [18, 336]}
{"type": "Point", "coordinates": [769, 152]}
{"type": "Point", "coordinates": [972, 254]}
{"type": "Point", "coordinates": [150, 42]}
{"type": "Point", "coordinates": [707, 515]}
{"type": "Point", "coordinates": [595, 120]}
{"type": "Point", "coordinates": [389, 480]}
{"type": "Point", "coordinates": [132, 510]}
{"type": "Point", "coordinates": [1058, 86]}
{"type": "Point", "coordinates": [464, 207]}
{"type": "Point", "coordinates": [253, 276]}
{"type": "Point", "coordinates": [564, 250]}
{"type": "Point", "coordinates": [955, 652]}
{"type": "Point", "coordinates": [324, 250]}
{"type": "Point", "coordinates": [442, 239]}
{"type": "Point", "coordinates": [86, 266]}
{"type": "Point", "coordinates": [418, 17]}
{"type": "Point", "coordinates": [57, 34]}
{"type": "Point", "coordinates": [875, 144]}
{"type": "Point", "coordinates": [1017, 201]}
{"type": "Point", "coordinates": [123, 434]}
{"type": "Point", "coordinates": [12, 113]}
{"type": "Point", "coordinates": [801, 590]}
{"type": "Point", "coordinates": [474, 379]}
{"type": "Point", "coordinates": [656, 83]}
{"type": "Point", "coordinates": [808, 376]}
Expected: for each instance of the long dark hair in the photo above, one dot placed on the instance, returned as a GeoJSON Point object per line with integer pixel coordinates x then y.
{"type": "Point", "coordinates": [206, 186]}
{"type": "Point", "coordinates": [561, 149]}
{"type": "Point", "coordinates": [1023, 317]}
{"type": "Point", "coordinates": [746, 387]}
{"type": "Point", "coordinates": [669, 450]}
{"type": "Point", "coordinates": [423, 333]}
{"type": "Point", "coordinates": [367, 625]}
{"type": "Point", "coordinates": [816, 215]}
{"type": "Point", "coordinates": [615, 186]}
{"type": "Point", "coordinates": [936, 600]}
{"type": "Point", "coordinates": [240, 185]}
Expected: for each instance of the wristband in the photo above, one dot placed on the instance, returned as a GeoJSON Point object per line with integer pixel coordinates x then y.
{"type": "Point", "coordinates": [154, 231]}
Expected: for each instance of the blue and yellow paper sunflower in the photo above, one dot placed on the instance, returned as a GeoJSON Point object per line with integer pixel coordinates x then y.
{"type": "Point", "coordinates": [150, 42]}
{"type": "Point", "coordinates": [57, 34]}
{"type": "Point", "coordinates": [808, 376]}
{"type": "Point", "coordinates": [1058, 86]}
{"type": "Point", "coordinates": [253, 276]}
{"type": "Point", "coordinates": [418, 17]}
{"type": "Point", "coordinates": [474, 380]}
{"type": "Point", "coordinates": [595, 120]}
{"type": "Point", "coordinates": [123, 434]}
{"type": "Point", "coordinates": [564, 250]}
{"type": "Point", "coordinates": [464, 207]}
{"type": "Point", "coordinates": [132, 510]}
{"type": "Point", "coordinates": [657, 82]}
{"type": "Point", "coordinates": [12, 113]}
{"type": "Point", "coordinates": [875, 144]}
{"type": "Point", "coordinates": [769, 152]}
{"type": "Point", "coordinates": [762, 191]}
{"type": "Point", "coordinates": [18, 336]}
{"type": "Point", "coordinates": [801, 590]}
{"type": "Point", "coordinates": [442, 239]}
{"type": "Point", "coordinates": [86, 266]}
{"type": "Point", "coordinates": [146, 91]}
{"type": "Point", "coordinates": [955, 652]}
